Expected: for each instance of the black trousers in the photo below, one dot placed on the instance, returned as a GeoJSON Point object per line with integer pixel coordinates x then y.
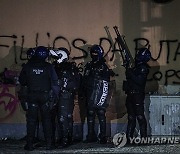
{"type": "Point", "coordinates": [92, 111]}
{"type": "Point", "coordinates": [91, 114]}
{"type": "Point", "coordinates": [54, 120]}
{"type": "Point", "coordinates": [135, 110]}
{"type": "Point", "coordinates": [65, 115]}
{"type": "Point", "coordinates": [38, 102]}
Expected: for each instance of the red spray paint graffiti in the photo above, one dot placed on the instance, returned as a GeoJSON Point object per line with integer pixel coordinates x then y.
{"type": "Point", "coordinates": [10, 104]}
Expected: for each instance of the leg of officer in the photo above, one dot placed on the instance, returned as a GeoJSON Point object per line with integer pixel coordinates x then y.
{"type": "Point", "coordinates": [31, 118]}
{"type": "Point", "coordinates": [65, 109]}
{"type": "Point", "coordinates": [53, 120]}
{"type": "Point", "coordinates": [91, 137]}
{"type": "Point", "coordinates": [46, 118]}
{"type": "Point", "coordinates": [70, 120]}
{"type": "Point", "coordinates": [47, 125]}
{"type": "Point", "coordinates": [102, 123]}
{"type": "Point", "coordinates": [131, 116]}
{"type": "Point", "coordinates": [140, 114]}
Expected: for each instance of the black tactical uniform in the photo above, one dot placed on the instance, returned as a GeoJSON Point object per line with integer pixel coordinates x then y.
{"type": "Point", "coordinates": [69, 79]}
{"type": "Point", "coordinates": [40, 78]}
{"type": "Point", "coordinates": [95, 89]}
{"type": "Point", "coordinates": [135, 90]}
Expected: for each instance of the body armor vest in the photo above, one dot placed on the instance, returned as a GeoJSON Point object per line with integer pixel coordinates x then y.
{"type": "Point", "coordinates": [68, 75]}
{"type": "Point", "coordinates": [39, 77]}
{"type": "Point", "coordinates": [137, 80]}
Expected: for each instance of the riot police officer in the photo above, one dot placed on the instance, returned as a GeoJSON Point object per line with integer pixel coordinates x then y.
{"type": "Point", "coordinates": [69, 79]}
{"type": "Point", "coordinates": [95, 87]}
{"type": "Point", "coordinates": [135, 90]}
{"type": "Point", "coordinates": [38, 77]}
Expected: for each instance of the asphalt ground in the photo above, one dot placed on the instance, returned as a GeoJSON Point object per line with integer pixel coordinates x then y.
{"type": "Point", "coordinates": [16, 146]}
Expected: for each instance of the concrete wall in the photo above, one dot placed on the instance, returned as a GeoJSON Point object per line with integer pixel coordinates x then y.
{"type": "Point", "coordinates": [77, 24]}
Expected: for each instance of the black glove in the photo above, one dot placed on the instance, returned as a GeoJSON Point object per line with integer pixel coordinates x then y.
{"type": "Point", "coordinates": [53, 99]}
{"type": "Point", "coordinates": [112, 73]}
{"type": "Point", "coordinates": [24, 105]}
{"type": "Point", "coordinates": [128, 73]}
{"type": "Point", "coordinates": [22, 96]}
{"type": "Point", "coordinates": [22, 93]}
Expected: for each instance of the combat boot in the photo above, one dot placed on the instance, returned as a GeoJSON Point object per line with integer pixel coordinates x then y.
{"type": "Point", "coordinates": [49, 144]}
{"type": "Point", "coordinates": [29, 145]}
{"type": "Point", "coordinates": [91, 138]}
{"type": "Point", "coordinates": [64, 143]}
{"type": "Point", "coordinates": [70, 139]}
{"type": "Point", "coordinates": [102, 139]}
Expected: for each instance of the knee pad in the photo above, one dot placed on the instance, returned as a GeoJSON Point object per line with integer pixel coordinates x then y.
{"type": "Point", "coordinates": [101, 113]}
{"type": "Point", "coordinates": [69, 116]}
{"type": "Point", "coordinates": [90, 116]}
{"type": "Point", "coordinates": [61, 119]}
{"type": "Point", "coordinates": [131, 118]}
{"type": "Point", "coordinates": [141, 117]}
{"type": "Point", "coordinates": [90, 113]}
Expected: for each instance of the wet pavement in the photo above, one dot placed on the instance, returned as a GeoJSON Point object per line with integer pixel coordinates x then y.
{"type": "Point", "coordinates": [16, 146]}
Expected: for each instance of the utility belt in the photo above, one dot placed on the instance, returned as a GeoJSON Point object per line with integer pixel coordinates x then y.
{"type": "Point", "coordinates": [66, 91]}
{"type": "Point", "coordinates": [134, 92]}
{"type": "Point", "coordinates": [38, 91]}
{"type": "Point", "coordinates": [66, 94]}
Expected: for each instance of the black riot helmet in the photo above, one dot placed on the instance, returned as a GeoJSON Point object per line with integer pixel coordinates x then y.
{"type": "Point", "coordinates": [61, 54]}
{"type": "Point", "coordinates": [96, 52]}
{"type": "Point", "coordinates": [30, 53]}
{"type": "Point", "coordinates": [143, 56]}
{"type": "Point", "coordinates": [41, 53]}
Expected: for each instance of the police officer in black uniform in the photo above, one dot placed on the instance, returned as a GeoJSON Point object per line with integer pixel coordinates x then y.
{"type": "Point", "coordinates": [135, 90]}
{"type": "Point", "coordinates": [69, 80]}
{"type": "Point", "coordinates": [39, 78]}
{"type": "Point", "coordinates": [95, 88]}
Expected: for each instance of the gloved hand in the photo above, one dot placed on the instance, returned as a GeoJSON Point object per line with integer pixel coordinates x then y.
{"type": "Point", "coordinates": [22, 93]}
{"type": "Point", "coordinates": [24, 105]}
{"type": "Point", "coordinates": [22, 96]}
{"type": "Point", "coordinates": [53, 99]}
{"type": "Point", "coordinates": [112, 73]}
{"type": "Point", "coordinates": [128, 73]}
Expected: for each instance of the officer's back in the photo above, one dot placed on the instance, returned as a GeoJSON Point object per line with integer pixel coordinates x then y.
{"type": "Point", "coordinates": [36, 74]}
{"type": "Point", "coordinates": [40, 78]}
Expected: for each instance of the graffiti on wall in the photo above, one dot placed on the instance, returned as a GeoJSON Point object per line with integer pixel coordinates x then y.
{"type": "Point", "coordinates": [8, 101]}
{"type": "Point", "coordinates": [112, 47]}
